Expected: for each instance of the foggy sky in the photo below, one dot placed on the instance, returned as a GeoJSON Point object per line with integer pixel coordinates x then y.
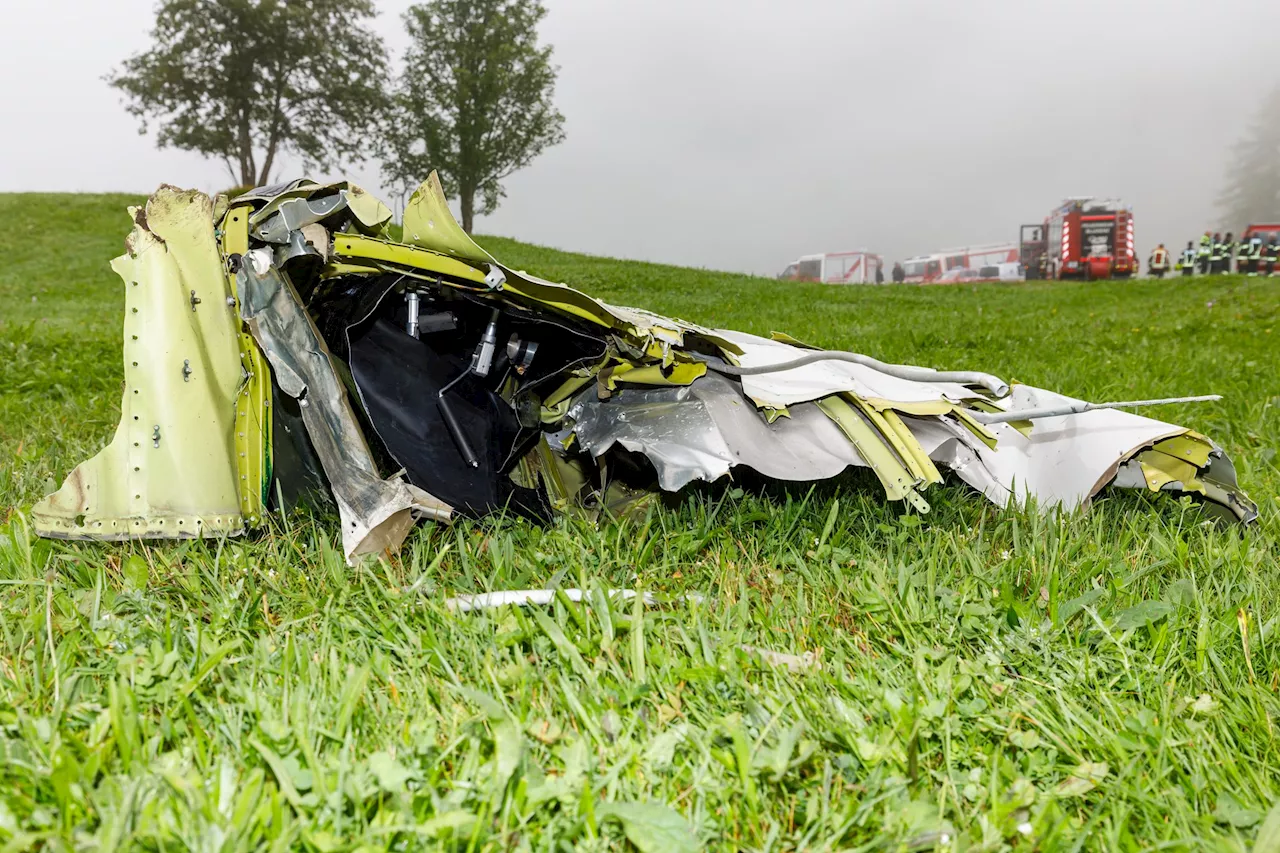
{"type": "Point", "coordinates": [739, 134]}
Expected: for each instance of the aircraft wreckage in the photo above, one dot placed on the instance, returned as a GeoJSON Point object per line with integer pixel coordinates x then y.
{"type": "Point", "coordinates": [285, 343]}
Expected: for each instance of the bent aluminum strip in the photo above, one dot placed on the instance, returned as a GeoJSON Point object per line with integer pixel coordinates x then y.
{"type": "Point", "coordinates": [824, 378]}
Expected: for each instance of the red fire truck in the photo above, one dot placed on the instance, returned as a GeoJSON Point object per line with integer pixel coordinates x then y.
{"type": "Point", "coordinates": [1083, 238]}
{"type": "Point", "coordinates": [1265, 233]}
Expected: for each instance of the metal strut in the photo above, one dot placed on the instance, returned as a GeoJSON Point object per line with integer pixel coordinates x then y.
{"type": "Point", "coordinates": [1077, 408]}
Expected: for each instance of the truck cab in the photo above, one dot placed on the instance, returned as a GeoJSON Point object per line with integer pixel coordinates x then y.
{"type": "Point", "coordinates": [923, 268]}
{"type": "Point", "coordinates": [1266, 233]}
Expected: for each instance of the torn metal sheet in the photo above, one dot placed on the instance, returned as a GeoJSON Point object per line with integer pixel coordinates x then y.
{"type": "Point", "coordinates": [702, 431]}
{"type": "Point", "coordinates": [369, 215]}
{"type": "Point", "coordinates": [668, 425]}
{"type": "Point", "coordinates": [170, 471]}
{"type": "Point", "coordinates": [295, 214]}
{"type": "Point", "coordinates": [492, 390]}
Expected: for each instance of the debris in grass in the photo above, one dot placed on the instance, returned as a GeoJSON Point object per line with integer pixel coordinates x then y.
{"type": "Point", "coordinates": [524, 597]}
{"type": "Point", "coordinates": [795, 663]}
{"type": "Point", "coordinates": [1083, 779]}
{"type": "Point", "coordinates": [402, 374]}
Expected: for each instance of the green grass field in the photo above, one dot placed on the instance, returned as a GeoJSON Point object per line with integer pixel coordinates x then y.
{"type": "Point", "coordinates": [981, 679]}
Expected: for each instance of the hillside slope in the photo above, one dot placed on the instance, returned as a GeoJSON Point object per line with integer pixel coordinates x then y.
{"type": "Point", "coordinates": [971, 679]}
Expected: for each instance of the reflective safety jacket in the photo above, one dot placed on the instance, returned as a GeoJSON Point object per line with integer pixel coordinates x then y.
{"type": "Point", "coordinates": [1255, 250]}
{"type": "Point", "coordinates": [1220, 250]}
{"type": "Point", "coordinates": [1188, 257]}
{"type": "Point", "coordinates": [1206, 246]}
{"type": "Point", "coordinates": [1159, 259]}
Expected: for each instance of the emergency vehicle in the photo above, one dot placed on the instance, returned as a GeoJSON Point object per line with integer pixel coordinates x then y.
{"type": "Point", "coordinates": [926, 269]}
{"type": "Point", "coordinates": [1267, 236]}
{"type": "Point", "coordinates": [1265, 233]}
{"type": "Point", "coordinates": [857, 267]}
{"type": "Point", "coordinates": [1083, 238]}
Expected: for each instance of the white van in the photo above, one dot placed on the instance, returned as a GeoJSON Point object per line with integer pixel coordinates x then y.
{"type": "Point", "coordinates": [835, 268]}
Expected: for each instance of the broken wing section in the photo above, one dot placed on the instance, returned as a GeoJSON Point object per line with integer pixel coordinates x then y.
{"type": "Point", "coordinates": [902, 429]}
{"type": "Point", "coordinates": [170, 469]}
{"type": "Point", "coordinates": [1189, 464]}
{"type": "Point", "coordinates": [1067, 460]}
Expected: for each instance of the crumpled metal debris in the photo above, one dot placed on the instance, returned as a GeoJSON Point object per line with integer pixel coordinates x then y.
{"type": "Point", "coordinates": [375, 513]}
{"type": "Point", "coordinates": [418, 354]}
{"type": "Point", "coordinates": [703, 430]}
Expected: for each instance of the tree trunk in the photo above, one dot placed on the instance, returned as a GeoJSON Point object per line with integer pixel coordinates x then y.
{"type": "Point", "coordinates": [468, 199]}
{"type": "Point", "coordinates": [248, 169]}
{"type": "Point", "coordinates": [273, 138]}
{"type": "Point", "coordinates": [265, 177]}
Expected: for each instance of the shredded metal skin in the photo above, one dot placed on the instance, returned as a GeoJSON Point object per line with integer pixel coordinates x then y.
{"type": "Point", "coordinates": [307, 352]}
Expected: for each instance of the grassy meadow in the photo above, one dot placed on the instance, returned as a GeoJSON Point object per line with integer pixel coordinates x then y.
{"type": "Point", "coordinates": [971, 679]}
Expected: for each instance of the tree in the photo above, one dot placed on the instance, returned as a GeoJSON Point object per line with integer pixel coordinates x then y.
{"type": "Point", "coordinates": [1252, 193]}
{"type": "Point", "coordinates": [474, 101]}
{"type": "Point", "coordinates": [244, 80]}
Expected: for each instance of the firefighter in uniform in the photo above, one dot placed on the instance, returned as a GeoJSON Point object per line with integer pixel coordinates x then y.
{"type": "Point", "coordinates": [1216, 254]}
{"type": "Point", "coordinates": [1204, 254]}
{"type": "Point", "coordinates": [1255, 255]}
{"type": "Point", "coordinates": [1274, 260]}
{"type": "Point", "coordinates": [1230, 247]}
{"type": "Point", "coordinates": [1188, 262]}
{"type": "Point", "coordinates": [1158, 263]}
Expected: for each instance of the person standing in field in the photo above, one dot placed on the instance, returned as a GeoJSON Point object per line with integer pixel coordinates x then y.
{"type": "Point", "coordinates": [1158, 263]}
{"type": "Point", "coordinates": [1255, 255]}
{"type": "Point", "coordinates": [1205, 253]}
{"type": "Point", "coordinates": [899, 274]}
{"type": "Point", "coordinates": [1188, 262]}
